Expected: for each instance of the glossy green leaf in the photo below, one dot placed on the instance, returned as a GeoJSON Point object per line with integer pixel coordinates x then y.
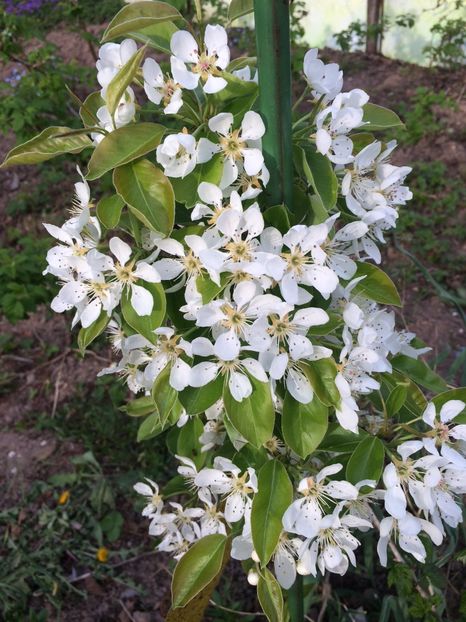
{"type": "Point", "coordinates": [304, 425]}
{"type": "Point", "coordinates": [156, 36]}
{"type": "Point", "coordinates": [278, 216]}
{"type": "Point", "coordinates": [108, 210]}
{"type": "Point", "coordinates": [120, 82]}
{"type": "Point", "coordinates": [197, 568]}
{"type": "Point", "coordinates": [196, 400]}
{"type": "Point", "coordinates": [320, 175]}
{"type": "Point", "coordinates": [420, 372]}
{"type": "Point", "coordinates": [321, 374]}
{"type": "Point", "coordinates": [366, 461]}
{"type": "Point", "coordinates": [87, 335]}
{"type": "Point", "coordinates": [149, 428]}
{"type": "Point", "coordinates": [396, 399]}
{"type": "Point", "coordinates": [379, 118]}
{"type": "Point", "coordinates": [376, 285]}
{"type": "Point", "coordinates": [46, 145]}
{"type": "Point", "coordinates": [238, 8]}
{"type": "Point", "coordinates": [188, 443]}
{"type": "Point", "coordinates": [415, 401]}
{"type": "Point", "coordinates": [139, 15]}
{"type": "Point", "coordinates": [88, 109]}
{"type": "Point", "coordinates": [275, 493]}
{"type": "Point", "coordinates": [270, 597]}
{"type": "Point", "coordinates": [342, 441]}
{"type": "Point", "coordinates": [145, 324]}
{"type": "Point", "coordinates": [186, 188]}
{"type": "Point", "coordinates": [254, 416]}
{"type": "Point", "coordinates": [141, 406]}
{"type": "Point", "coordinates": [208, 289]}
{"type": "Point", "coordinates": [148, 194]}
{"type": "Point", "coordinates": [124, 145]}
{"type": "Point", "coordinates": [164, 395]}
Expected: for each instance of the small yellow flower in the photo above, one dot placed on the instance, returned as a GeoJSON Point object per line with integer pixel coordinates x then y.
{"type": "Point", "coordinates": [63, 498]}
{"type": "Point", "coordinates": [102, 554]}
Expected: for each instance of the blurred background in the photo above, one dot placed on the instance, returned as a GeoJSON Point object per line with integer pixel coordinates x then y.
{"type": "Point", "coordinates": [72, 545]}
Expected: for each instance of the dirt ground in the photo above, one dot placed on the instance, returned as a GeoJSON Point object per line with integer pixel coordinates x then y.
{"type": "Point", "coordinates": [39, 384]}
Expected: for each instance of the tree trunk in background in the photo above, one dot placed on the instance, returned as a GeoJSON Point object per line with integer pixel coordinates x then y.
{"type": "Point", "coordinates": [374, 18]}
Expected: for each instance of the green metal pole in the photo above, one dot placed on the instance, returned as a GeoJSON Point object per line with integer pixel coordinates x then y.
{"type": "Point", "coordinates": [272, 25]}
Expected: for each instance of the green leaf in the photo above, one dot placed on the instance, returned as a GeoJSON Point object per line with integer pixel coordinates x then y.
{"type": "Point", "coordinates": [197, 568]}
{"type": "Point", "coordinates": [122, 146]}
{"type": "Point", "coordinates": [188, 444]}
{"type": "Point", "coordinates": [149, 428]}
{"type": "Point", "coordinates": [420, 372]}
{"type": "Point", "coordinates": [342, 441]}
{"type": "Point", "coordinates": [139, 15]}
{"type": "Point", "coordinates": [415, 401]}
{"type": "Point", "coordinates": [270, 597]}
{"type": "Point", "coordinates": [254, 416]}
{"type": "Point", "coordinates": [366, 461]}
{"type": "Point", "coordinates": [141, 406]}
{"type": "Point", "coordinates": [197, 400]}
{"type": "Point", "coordinates": [120, 82]}
{"type": "Point", "coordinates": [279, 217]}
{"type": "Point", "coordinates": [87, 335]}
{"type": "Point", "coordinates": [88, 109]}
{"type": "Point", "coordinates": [321, 374]}
{"type": "Point", "coordinates": [48, 144]}
{"type": "Point", "coordinates": [186, 188]}
{"type": "Point", "coordinates": [376, 285]}
{"type": "Point", "coordinates": [157, 36]}
{"type": "Point", "coordinates": [275, 493]}
{"type": "Point", "coordinates": [396, 399]}
{"type": "Point", "coordinates": [208, 289]}
{"type": "Point", "coordinates": [238, 8]}
{"type": "Point", "coordinates": [304, 425]}
{"type": "Point", "coordinates": [320, 175]}
{"type": "Point", "coordinates": [379, 118]}
{"type": "Point", "coordinates": [108, 210]}
{"type": "Point", "coordinates": [148, 194]}
{"type": "Point", "coordinates": [164, 395]}
{"type": "Point", "coordinates": [145, 324]}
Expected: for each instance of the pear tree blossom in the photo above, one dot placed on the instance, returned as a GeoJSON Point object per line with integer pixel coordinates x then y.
{"type": "Point", "coordinates": [256, 334]}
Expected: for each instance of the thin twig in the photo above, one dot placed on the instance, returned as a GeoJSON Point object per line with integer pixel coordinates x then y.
{"type": "Point", "coordinates": [326, 592]}
{"type": "Point", "coordinates": [128, 613]}
{"type": "Point", "coordinates": [86, 575]}
{"type": "Point", "coordinates": [238, 613]}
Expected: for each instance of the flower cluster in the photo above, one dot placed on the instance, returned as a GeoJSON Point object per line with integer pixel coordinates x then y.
{"type": "Point", "coordinates": [318, 526]}
{"type": "Point", "coordinates": [257, 330]}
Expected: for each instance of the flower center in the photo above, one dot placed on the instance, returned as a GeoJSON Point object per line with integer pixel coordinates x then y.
{"type": "Point", "coordinates": [232, 145]}
{"type": "Point", "coordinates": [205, 66]}
{"type": "Point", "coordinates": [125, 274]}
{"type": "Point", "coordinates": [296, 260]}
{"type": "Point", "coordinates": [234, 319]}
{"type": "Point", "coordinates": [239, 250]}
{"type": "Point", "coordinates": [192, 264]}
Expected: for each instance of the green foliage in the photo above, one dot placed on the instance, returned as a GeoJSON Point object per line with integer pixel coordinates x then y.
{"type": "Point", "coordinates": [21, 265]}
{"type": "Point", "coordinates": [420, 114]}
{"type": "Point", "coordinates": [449, 44]}
{"type": "Point", "coordinates": [430, 227]}
{"type": "Point", "coordinates": [73, 511]}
